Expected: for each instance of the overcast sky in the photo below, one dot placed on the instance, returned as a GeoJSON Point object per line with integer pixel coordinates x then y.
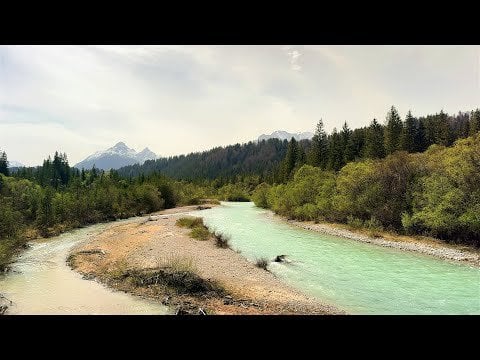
{"type": "Point", "coordinates": [179, 99]}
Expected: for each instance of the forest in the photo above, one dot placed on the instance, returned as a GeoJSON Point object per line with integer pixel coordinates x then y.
{"type": "Point", "coordinates": [413, 176]}
{"type": "Point", "coordinates": [394, 185]}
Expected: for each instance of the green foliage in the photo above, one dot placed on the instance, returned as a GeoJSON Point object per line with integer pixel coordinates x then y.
{"type": "Point", "coordinates": [4, 163]}
{"type": "Point", "coordinates": [260, 195]}
{"type": "Point", "coordinates": [434, 193]}
{"type": "Point", "coordinates": [200, 233]}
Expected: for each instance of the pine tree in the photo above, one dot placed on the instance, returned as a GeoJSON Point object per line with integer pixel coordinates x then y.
{"type": "Point", "coordinates": [393, 131]}
{"type": "Point", "coordinates": [290, 160]}
{"type": "Point", "coordinates": [442, 134]}
{"type": "Point", "coordinates": [335, 151]}
{"type": "Point", "coordinates": [374, 143]}
{"type": "Point", "coordinates": [420, 137]}
{"type": "Point", "coordinates": [474, 122]}
{"type": "Point", "coordinates": [347, 144]}
{"type": "Point", "coordinates": [317, 155]}
{"type": "Point", "coordinates": [407, 142]}
{"type": "Point", "coordinates": [4, 164]}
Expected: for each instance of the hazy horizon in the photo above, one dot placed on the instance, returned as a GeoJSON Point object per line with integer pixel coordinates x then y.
{"type": "Point", "coordinates": [181, 99]}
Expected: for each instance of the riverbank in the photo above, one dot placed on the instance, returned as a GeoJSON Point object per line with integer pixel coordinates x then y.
{"type": "Point", "coordinates": [424, 245]}
{"type": "Point", "coordinates": [132, 257]}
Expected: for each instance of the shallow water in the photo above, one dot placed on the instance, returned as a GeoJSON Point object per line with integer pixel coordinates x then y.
{"type": "Point", "coordinates": [356, 277]}
{"type": "Point", "coordinates": [42, 283]}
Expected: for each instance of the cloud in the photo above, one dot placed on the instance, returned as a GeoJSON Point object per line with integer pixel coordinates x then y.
{"type": "Point", "coordinates": [294, 56]}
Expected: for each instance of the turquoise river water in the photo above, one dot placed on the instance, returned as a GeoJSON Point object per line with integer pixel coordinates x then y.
{"type": "Point", "coordinates": [356, 277]}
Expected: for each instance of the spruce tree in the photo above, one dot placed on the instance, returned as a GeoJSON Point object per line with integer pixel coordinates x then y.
{"type": "Point", "coordinates": [474, 122]}
{"type": "Point", "coordinates": [408, 134]}
{"type": "Point", "coordinates": [420, 137]}
{"type": "Point", "coordinates": [4, 164]}
{"type": "Point", "coordinates": [290, 160]}
{"type": "Point", "coordinates": [393, 131]}
{"type": "Point", "coordinates": [317, 155]}
{"type": "Point", "coordinates": [335, 151]}
{"type": "Point", "coordinates": [374, 143]}
{"type": "Point", "coordinates": [347, 144]}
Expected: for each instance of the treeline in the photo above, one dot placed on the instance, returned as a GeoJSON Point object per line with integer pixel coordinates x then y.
{"type": "Point", "coordinates": [333, 151]}
{"type": "Point", "coordinates": [434, 193]}
{"type": "Point", "coordinates": [275, 161]}
{"type": "Point", "coordinates": [54, 198]}
{"type": "Point", "coordinates": [220, 163]}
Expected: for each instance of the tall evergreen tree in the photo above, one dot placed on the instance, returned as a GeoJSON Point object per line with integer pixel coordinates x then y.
{"type": "Point", "coordinates": [420, 137]}
{"type": "Point", "coordinates": [474, 122]}
{"type": "Point", "coordinates": [4, 164]}
{"type": "Point", "coordinates": [393, 131]}
{"type": "Point", "coordinates": [347, 144]}
{"type": "Point", "coordinates": [442, 136]}
{"type": "Point", "coordinates": [374, 142]}
{"type": "Point", "coordinates": [335, 152]}
{"type": "Point", "coordinates": [317, 155]}
{"type": "Point", "coordinates": [290, 160]}
{"type": "Point", "coordinates": [407, 142]}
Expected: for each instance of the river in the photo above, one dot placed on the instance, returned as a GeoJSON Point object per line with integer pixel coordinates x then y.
{"type": "Point", "coordinates": [356, 277]}
{"type": "Point", "coordinates": [41, 283]}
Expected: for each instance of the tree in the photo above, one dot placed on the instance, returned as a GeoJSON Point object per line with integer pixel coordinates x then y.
{"type": "Point", "coordinates": [4, 164]}
{"type": "Point", "coordinates": [291, 159]}
{"type": "Point", "coordinates": [374, 142]}
{"type": "Point", "coordinates": [393, 131]}
{"type": "Point", "coordinates": [407, 142]}
{"type": "Point", "coordinates": [420, 137]}
{"type": "Point", "coordinates": [318, 151]}
{"type": "Point", "coordinates": [347, 144]}
{"type": "Point", "coordinates": [335, 151]}
{"type": "Point", "coordinates": [474, 122]}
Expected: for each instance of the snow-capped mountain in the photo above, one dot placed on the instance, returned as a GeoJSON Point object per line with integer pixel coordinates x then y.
{"type": "Point", "coordinates": [116, 157]}
{"type": "Point", "coordinates": [284, 135]}
{"type": "Point", "coordinates": [14, 164]}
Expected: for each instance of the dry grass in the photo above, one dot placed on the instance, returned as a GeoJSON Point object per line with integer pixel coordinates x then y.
{"type": "Point", "coordinates": [221, 240]}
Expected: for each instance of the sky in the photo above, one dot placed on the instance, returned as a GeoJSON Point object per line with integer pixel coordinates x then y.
{"type": "Point", "coordinates": [181, 99]}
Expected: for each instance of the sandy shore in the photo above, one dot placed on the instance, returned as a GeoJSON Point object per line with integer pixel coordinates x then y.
{"type": "Point", "coordinates": [142, 244]}
{"type": "Point", "coordinates": [423, 245]}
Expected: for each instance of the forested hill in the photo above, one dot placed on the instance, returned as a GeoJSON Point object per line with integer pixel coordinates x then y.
{"type": "Point", "coordinates": [327, 151]}
{"type": "Point", "coordinates": [221, 162]}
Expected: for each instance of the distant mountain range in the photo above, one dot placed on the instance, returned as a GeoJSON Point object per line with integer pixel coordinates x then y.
{"type": "Point", "coordinates": [116, 157]}
{"type": "Point", "coordinates": [284, 135]}
{"type": "Point", "coordinates": [14, 164]}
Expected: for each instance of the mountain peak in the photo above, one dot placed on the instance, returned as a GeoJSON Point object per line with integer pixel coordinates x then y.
{"type": "Point", "coordinates": [285, 135]}
{"type": "Point", "coordinates": [117, 156]}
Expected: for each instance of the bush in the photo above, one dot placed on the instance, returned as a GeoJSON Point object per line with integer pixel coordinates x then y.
{"type": "Point", "coordinates": [200, 233]}
{"type": "Point", "coordinates": [354, 222]}
{"type": "Point", "coordinates": [189, 222]}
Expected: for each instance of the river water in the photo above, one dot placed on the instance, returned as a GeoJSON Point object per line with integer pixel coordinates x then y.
{"type": "Point", "coordinates": [42, 283]}
{"type": "Point", "coordinates": [356, 277]}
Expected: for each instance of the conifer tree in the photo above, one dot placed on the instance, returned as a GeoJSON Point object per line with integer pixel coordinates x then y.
{"type": "Point", "coordinates": [374, 142]}
{"type": "Point", "coordinates": [4, 163]}
{"type": "Point", "coordinates": [409, 134]}
{"type": "Point", "coordinates": [317, 155]}
{"type": "Point", "coordinates": [393, 131]}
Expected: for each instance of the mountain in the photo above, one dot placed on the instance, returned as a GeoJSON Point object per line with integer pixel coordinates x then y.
{"type": "Point", "coordinates": [284, 135]}
{"type": "Point", "coordinates": [14, 164]}
{"type": "Point", "coordinates": [116, 157]}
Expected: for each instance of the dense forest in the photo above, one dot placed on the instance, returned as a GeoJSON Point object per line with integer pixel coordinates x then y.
{"type": "Point", "coordinates": [221, 163]}
{"type": "Point", "coordinates": [327, 151]}
{"type": "Point", "coordinates": [400, 188]}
